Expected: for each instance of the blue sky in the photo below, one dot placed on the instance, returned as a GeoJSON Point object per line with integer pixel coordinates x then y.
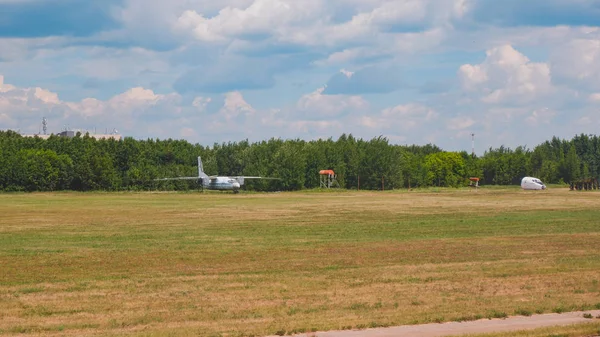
{"type": "Point", "coordinates": [416, 71]}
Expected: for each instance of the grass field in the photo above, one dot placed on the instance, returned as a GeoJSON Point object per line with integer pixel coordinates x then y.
{"type": "Point", "coordinates": [155, 264]}
{"type": "Point", "coordinates": [575, 330]}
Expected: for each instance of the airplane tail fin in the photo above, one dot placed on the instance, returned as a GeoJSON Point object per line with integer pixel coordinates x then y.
{"type": "Point", "coordinates": [201, 173]}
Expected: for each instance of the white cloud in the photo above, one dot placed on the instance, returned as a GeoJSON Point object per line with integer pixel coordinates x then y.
{"type": "Point", "coordinates": [201, 102]}
{"type": "Point", "coordinates": [347, 73]}
{"type": "Point", "coordinates": [540, 116]}
{"type": "Point", "coordinates": [391, 12]}
{"type": "Point", "coordinates": [110, 64]}
{"type": "Point", "coordinates": [26, 106]}
{"type": "Point", "coordinates": [460, 123]}
{"type": "Point", "coordinates": [5, 87]}
{"type": "Point", "coordinates": [310, 23]}
{"type": "Point", "coordinates": [578, 62]}
{"type": "Point", "coordinates": [14, 100]}
{"type": "Point", "coordinates": [506, 76]}
{"type": "Point", "coordinates": [595, 97]}
{"type": "Point", "coordinates": [407, 117]}
{"type": "Point", "coordinates": [319, 106]}
{"type": "Point", "coordinates": [261, 17]}
{"type": "Point", "coordinates": [128, 74]}
{"type": "Point", "coordinates": [140, 112]}
{"type": "Point", "coordinates": [14, 49]}
{"type": "Point", "coordinates": [188, 132]}
{"type": "Point", "coordinates": [236, 106]}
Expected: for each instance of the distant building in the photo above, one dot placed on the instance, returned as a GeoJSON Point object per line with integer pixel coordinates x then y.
{"type": "Point", "coordinates": [71, 134]}
{"type": "Point", "coordinates": [68, 134]}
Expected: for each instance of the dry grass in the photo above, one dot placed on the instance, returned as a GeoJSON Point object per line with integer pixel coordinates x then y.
{"type": "Point", "coordinates": [576, 330]}
{"type": "Point", "coordinates": [156, 264]}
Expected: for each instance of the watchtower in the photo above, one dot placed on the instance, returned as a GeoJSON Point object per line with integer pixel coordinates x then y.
{"type": "Point", "coordinates": [474, 182]}
{"type": "Point", "coordinates": [328, 179]}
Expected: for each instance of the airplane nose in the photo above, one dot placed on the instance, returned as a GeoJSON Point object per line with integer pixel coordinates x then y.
{"type": "Point", "coordinates": [236, 185]}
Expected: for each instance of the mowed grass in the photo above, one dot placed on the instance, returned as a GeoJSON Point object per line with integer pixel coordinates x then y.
{"type": "Point", "coordinates": [218, 264]}
{"type": "Point", "coordinates": [576, 330]}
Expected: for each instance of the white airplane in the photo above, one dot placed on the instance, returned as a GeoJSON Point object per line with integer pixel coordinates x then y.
{"type": "Point", "coordinates": [220, 183]}
{"type": "Point", "coordinates": [531, 183]}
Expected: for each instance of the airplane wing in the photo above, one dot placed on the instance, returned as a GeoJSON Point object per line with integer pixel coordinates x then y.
{"type": "Point", "coordinates": [241, 179]}
{"type": "Point", "coordinates": [178, 178]}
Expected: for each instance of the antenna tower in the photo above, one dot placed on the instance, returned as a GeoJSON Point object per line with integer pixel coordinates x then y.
{"type": "Point", "coordinates": [44, 125]}
{"type": "Point", "coordinates": [472, 144]}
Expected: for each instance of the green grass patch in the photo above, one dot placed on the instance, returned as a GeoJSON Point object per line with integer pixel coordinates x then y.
{"type": "Point", "coordinates": [259, 264]}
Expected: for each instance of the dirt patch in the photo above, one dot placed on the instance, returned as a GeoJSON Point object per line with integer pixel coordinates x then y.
{"type": "Point", "coordinates": [515, 323]}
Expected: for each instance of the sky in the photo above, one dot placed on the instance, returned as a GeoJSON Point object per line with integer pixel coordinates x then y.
{"type": "Point", "coordinates": [514, 73]}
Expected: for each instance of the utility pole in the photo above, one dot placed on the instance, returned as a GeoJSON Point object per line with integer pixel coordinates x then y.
{"type": "Point", "coordinates": [473, 145]}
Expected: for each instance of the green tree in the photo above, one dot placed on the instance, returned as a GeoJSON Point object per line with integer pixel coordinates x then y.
{"type": "Point", "coordinates": [445, 169]}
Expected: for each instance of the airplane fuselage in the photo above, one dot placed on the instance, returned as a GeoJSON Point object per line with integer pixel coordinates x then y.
{"type": "Point", "coordinates": [222, 184]}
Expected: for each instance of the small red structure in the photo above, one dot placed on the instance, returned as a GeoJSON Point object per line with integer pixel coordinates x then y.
{"type": "Point", "coordinates": [327, 173]}
{"type": "Point", "coordinates": [328, 178]}
{"type": "Point", "coordinates": [474, 182]}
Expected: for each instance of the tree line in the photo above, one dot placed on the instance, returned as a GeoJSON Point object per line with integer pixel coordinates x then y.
{"type": "Point", "coordinates": [83, 163]}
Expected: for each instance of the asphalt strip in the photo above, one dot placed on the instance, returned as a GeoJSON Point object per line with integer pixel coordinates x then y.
{"type": "Point", "coordinates": [513, 323]}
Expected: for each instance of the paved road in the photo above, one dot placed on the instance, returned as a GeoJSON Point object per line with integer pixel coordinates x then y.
{"type": "Point", "coordinates": [515, 323]}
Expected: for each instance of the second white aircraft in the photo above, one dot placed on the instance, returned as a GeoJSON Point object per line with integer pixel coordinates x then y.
{"type": "Point", "coordinates": [531, 183]}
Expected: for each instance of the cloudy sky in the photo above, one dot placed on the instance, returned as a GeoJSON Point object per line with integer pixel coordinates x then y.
{"type": "Point", "coordinates": [415, 71]}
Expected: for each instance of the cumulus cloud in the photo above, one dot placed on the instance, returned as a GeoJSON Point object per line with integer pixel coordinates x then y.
{"type": "Point", "coordinates": [401, 117]}
{"type": "Point", "coordinates": [577, 62]}
{"type": "Point", "coordinates": [595, 97]}
{"type": "Point", "coordinates": [515, 101]}
{"type": "Point", "coordinates": [261, 17]}
{"type": "Point", "coordinates": [200, 103]}
{"type": "Point", "coordinates": [374, 79]}
{"type": "Point", "coordinates": [15, 49]}
{"type": "Point", "coordinates": [26, 106]}
{"type": "Point", "coordinates": [506, 76]}
{"type": "Point", "coordinates": [233, 73]}
{"type": "Point", "coordinates": [379, 46]}
{"type": "Point", "coordinates": [311, 23]}
{"type": "Point", "coordinates": [142, 113]}
{"type": "Point", "coordinates": [235, 108]}
{"type": "Point", "coordinates": [318, 105]}
{"type": "Point", "coordinates": [460, 123]}
{"type": "Point", "coordinates": [185, 68]}
{"type": "Point", "coordinates": [540, 117]}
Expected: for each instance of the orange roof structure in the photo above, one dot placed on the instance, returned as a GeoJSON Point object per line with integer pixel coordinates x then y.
{"type": "Point", "coordinates": [327, 172]}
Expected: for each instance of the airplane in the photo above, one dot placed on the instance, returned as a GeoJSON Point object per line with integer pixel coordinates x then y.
{"type": "Point", "coordinates": [531, 183]}
{"type": "Point", "coordinates": [219, 183]}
